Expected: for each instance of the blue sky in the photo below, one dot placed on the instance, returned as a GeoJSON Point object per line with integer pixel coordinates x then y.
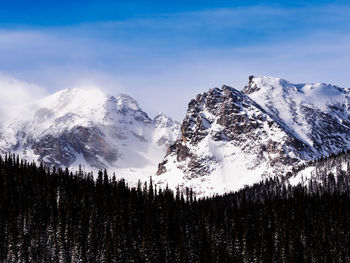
{"type": "Point", "coordinates": [163, 53]}
{"type": "Point", "coordinates": [67, 12]}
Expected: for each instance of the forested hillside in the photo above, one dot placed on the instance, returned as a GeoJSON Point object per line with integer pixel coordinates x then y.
{"type": "Point", "coordinates": [59, 216]}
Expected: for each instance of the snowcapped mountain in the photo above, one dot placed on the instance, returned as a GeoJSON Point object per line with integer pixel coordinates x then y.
{"type": "Point", "coordinates": [79, 126]}
{"type": "Point", "coordinates": [231, 138]}
{"type": "Point", "coordinates": [316, 113]}
{"type": "Point", "coordinates": [228, 138]}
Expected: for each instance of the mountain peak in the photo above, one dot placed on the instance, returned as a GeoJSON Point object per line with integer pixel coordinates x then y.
{"type": "Point", "coordinates": [125, 102]}
{"type": "Point", "coordinates": [163, 121]}
{"type": "Point", "coordinates": [79, 91]}
{"type": "Point", "coordinates": [230, 138]}
{"type": "Point", "coordinates": [266, 82]}
{"type": "Point", "coordinates": [160, 115]}
{"type": "Point", "coordinates": [161, 118]}
{"type": "Point", "coordinates": [311, 111]}
{"type": "Point", "coordinates": [75, 96]}
{"type": "Point", "coordinates": [318, 95]}
{"type": "Point", "coordinates": [85, 126]}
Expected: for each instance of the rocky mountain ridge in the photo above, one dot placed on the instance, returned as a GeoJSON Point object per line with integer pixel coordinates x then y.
{"type": "Point", "coordinates": [77, 126]}
{"type": "Point", "coordinates": [231, 138]}
{"type": "Point", "coordinates": [228, 138]}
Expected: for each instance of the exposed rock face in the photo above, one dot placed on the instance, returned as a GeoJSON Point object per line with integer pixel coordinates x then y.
{"type": "Point", "coordinates": [317, 113]}
{"type": "Point", "coordinates": [88, 141]}
{"type": "Point", "coordinates": [168, 130]}
{"type": "Point", "coordinates": [231, 138]}
{"type": "Point", "coordinates": [87, 127]}
{"type": "Point", "coordinates": [228, 138]}
{"type": "Point", "coordinates": [226, 118]}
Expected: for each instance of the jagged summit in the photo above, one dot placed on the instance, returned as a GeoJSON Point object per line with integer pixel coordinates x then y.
{"type": "Point", "coordinates": [86, 126]}
{"type": "Point", "coordinates": [125, 102]}
{"type": "Point", "coordinates": [230, 138]}
{"type": "Point", "coordinates": [162, 120]}
{"type": "Point", "coordinates": [227, 141]}
{"type": "Point", "coordinates": [277, 85]}
{"type": "Point", "coordinates": [316, 113]}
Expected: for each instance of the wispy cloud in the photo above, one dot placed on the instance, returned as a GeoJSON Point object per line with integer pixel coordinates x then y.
{"type": "Point", "coordinates": [18, 92]}
{"type": "Point", "coordinates": [15, 92]}
{"type": "Point", "coordinates": [174, 56]}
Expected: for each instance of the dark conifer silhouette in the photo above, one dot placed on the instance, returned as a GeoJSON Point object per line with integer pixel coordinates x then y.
{"type": "Point", "coordinates": [60, 216]}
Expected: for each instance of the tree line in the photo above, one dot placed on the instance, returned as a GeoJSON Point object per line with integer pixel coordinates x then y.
{"type": "Point", "coordinates": [60, 216]}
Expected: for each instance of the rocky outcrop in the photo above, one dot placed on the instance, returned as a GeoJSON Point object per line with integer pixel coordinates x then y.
{"type": "Point", "coordinates": [61, 150]}
{"type": "Point", "coordinates": [222, 123]}
{"type": "Point", "coordinates": [230, 138]}
{"type": "Point", "coordinates": [317, 113]}
{"type": "Point", "coordinates": [87, 127]}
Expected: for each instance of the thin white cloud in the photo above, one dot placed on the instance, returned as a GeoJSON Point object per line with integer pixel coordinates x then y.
{"type": "Point", "coordinates": [18, 92]}
{"type": "Point", "coordinates": [165, 60]}
{"type": "Point", "coordinates": [14, 92]}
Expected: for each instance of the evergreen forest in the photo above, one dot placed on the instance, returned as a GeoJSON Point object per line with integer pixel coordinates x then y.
{"type": "Point", "coordinates": [60, 216]}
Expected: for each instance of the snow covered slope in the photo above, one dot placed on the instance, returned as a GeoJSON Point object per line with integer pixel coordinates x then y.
{"type": "Point", "coordinates": [316, 113]}
{"type": "Point", "coordinates": [79, 126]}
{"type": "Point", "coordinates": [229, 138]}
{"type": "Point", "coordinates": [232, 138]}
